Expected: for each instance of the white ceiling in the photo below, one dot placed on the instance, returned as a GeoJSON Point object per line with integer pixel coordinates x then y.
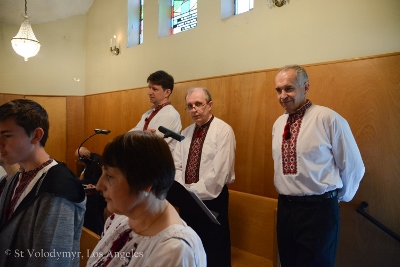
{"type": "Point", "coordinates": [39, 11]}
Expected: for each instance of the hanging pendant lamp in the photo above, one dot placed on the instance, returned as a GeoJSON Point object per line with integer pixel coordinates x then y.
{"type": "Point", "coordinates": [25, 43]}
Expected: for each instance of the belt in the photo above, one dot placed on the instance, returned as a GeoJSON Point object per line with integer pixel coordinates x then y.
{"type": "Point", "coordinates": [311, 198]}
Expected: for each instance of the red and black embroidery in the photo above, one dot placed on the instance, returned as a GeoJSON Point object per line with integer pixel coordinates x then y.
{"type": "Point", "coordinates": [289, 139]}
{"type": "Point", "coordinates": [155, 111]}
{"type": "Point", "coordinates": [194, 158]}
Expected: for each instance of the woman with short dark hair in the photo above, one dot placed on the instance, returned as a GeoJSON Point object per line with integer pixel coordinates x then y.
{"type": "Point", "coordinates": [138, 170]}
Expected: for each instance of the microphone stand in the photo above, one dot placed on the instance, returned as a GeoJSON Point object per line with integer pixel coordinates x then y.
{"type": "Point", "coordinates": [96, 131]}
{"type": "Point", "coordinates": [97, 164]}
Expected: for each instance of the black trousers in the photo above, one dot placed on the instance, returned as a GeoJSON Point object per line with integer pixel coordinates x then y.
{"type": "Point", "coordinates": [308, 232]}
{"type": "Point", "coordinates": [215, 238]}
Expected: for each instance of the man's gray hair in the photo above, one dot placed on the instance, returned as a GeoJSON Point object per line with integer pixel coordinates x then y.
{"type": "Point", "coordinates": [205, 90]}
{"type": "Point", "coordinates": [301, 74]}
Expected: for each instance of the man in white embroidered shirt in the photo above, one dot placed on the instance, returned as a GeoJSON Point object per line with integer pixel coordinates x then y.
{"type": "Point", "coordinates": [162, 113]}
{"type": "Point", "coordinates": [204, 162]}
{"type": "Point", "coordinates": [317, 164]}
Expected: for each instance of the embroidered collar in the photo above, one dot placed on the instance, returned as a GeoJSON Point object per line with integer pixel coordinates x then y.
{"type": "Point", "coordinates": [200, 130]}
{"type": "Point", "coordinates": [157, 108]}
{"type": "Point", "coordinates": [206, 124]}
{"type": "Point", "coordinates": [36, 170]}
{"type": "Point", "coordinates": [300, 111]}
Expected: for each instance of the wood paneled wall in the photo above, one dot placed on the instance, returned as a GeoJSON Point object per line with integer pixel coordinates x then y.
{"type": "Point", "coordinates": [364, 91]}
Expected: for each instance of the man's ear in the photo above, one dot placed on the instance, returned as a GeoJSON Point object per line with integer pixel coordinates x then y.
{"type": "Point", "coordinates": [168, 91]}
{"type": "Point", "coordinates": [210, 103]}
{"type": "Point", "coordinates": [37, 135]}
{"type": "Point", "coordinates": [306, 87]}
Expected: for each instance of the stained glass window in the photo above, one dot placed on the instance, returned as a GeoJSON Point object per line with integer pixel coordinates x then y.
{"type": "Point", "coordinates": [242, 6]}
{"type": "Point", "coordinates": [184, 15]}
{"type": "Point", "coordinates": [141, 22]}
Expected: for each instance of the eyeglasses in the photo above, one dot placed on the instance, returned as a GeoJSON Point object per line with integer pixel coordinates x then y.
{"type": "Point", "coordinates": [196, 106]}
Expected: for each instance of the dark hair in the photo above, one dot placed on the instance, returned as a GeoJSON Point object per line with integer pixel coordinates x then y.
{"type": "Point", "coordinates": [27, 114]}
{"type": "Point", "coordinates": [144, 158]}
{"type": "Point", "coordinates": [162, 78]}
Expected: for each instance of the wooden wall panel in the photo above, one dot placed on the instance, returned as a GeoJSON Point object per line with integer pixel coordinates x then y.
{"type": "Point", "coordinates": [116, 111]}
{"type": "Point", "coordinates": [8, 97]}
{"type": "Point", "coordinates": [56, 107]}
{"type": "Point", "coordinates": [75, 128]}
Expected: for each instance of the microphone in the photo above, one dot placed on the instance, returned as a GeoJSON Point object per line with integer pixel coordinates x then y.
{"type": "Point", "coordinates": [168, 133]}
{"type": "Point", "coordinates": [101, 131]}
{"type": "Point", "coordinates": [85, 159]}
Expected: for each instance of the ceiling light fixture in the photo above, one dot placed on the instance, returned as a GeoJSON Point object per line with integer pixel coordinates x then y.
{"type": "Point", "coordinates": [25, 43]}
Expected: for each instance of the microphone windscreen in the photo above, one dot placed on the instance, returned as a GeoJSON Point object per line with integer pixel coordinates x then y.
{"type": "Point", "coordinates": [168, 133]}
{"type": "Point", "coordinates": [101, 131]}
{"type": "Point", "coordinates": [163, 129]}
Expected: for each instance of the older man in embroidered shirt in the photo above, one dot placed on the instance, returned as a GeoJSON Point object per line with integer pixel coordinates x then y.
{"type": "Point", "coordinates": [204, 162]}
{"type": "Point", "coordinates": [162, 113]}
{"type": "Point", "coordinates": [317, 164]}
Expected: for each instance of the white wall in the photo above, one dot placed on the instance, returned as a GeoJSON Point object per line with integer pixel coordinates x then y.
{"type": "Point", "coordinates": [305, 31]}
{"type": "Point", "coordinates": [302, 32]}
{"type": "Point", "coordinates": [61, 58]}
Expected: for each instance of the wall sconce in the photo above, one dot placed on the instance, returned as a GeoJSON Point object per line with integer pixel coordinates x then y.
{"type": "Point", "coordinates": [277, 3]}
{"type": "Point", "coordinates": [113, 46]}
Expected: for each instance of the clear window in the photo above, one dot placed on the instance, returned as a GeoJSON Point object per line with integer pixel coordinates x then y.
{"type": "Point", "coordinates": [242, 6]}
{"type": "Point", "coordinates": [230, 8]}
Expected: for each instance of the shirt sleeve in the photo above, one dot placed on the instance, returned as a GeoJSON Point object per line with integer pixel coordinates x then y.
{"type": "Point", "coordinates": [57, 230]}
{"type": "Point", "coordinates": [169, 121]}
{"type": "Point", "coordinates": [347, 158]}
{"type": "Point", "coordinates": [175, 252]}
{"type": "Point", "coordinates": [177, 155]}
{"type": "Point", "coordinates": [139, 126]}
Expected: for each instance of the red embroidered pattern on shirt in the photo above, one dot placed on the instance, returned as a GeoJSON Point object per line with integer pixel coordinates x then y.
{"type": "Point", "coordinates": [194, 157]}
{"type": "Point", "coordinates": [116, 247]}
{"type": "Point", "coordinates": [289, 141]}
{"type": "Point", "coordinates": [155, 111]}
{"type": "Point", "coordinates": [24, 178]}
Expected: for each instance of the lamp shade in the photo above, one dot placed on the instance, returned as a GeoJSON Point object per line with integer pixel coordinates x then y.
{"type": "Point", "coordinates": [25, 43]}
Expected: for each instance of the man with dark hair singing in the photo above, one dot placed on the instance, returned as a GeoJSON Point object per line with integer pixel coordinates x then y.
{"type": "Point", "coordinates": [162, 113]}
